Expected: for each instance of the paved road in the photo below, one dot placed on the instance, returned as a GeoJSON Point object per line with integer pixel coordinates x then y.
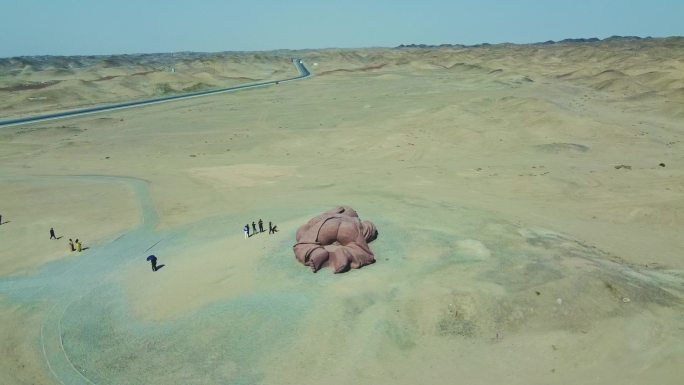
{"type": "Point", "coordinates": [303, 73]}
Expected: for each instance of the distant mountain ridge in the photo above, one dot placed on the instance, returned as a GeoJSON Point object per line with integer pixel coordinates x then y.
{"type": "Point", "coordinates": [157, 60]}
{"type": "Point", "coordinates": [548, 42]}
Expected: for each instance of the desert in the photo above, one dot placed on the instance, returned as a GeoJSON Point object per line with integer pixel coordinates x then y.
{"type": "Point", "coordinates": [529, 200]}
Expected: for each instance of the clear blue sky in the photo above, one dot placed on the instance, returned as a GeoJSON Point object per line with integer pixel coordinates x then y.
{"type": "Point", "coordinates": [71, 27]}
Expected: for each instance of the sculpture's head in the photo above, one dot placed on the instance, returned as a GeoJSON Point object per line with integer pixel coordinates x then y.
{"type": "Point", "coordinates": [343, 210]}
{"type": "Point", "coordinates": [370, 233]}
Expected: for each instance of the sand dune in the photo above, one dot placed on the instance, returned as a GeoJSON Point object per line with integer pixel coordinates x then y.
{"type": "Point", "coordinates": [528, 199]}
{"type": "Point", "coordinates": [45, 84]}
{"type": "Point", "coordinates": [617, 68]}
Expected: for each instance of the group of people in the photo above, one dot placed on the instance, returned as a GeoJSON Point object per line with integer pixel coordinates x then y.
{"type": "Point", "coordinates": [271, 228]}
{"type": "Point", "coordinates": [77, 246]}
{"type": "Point", "coordinates": [73, 245]}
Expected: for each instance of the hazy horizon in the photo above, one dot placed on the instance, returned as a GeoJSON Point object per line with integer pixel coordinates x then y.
{"type": "Point", "coordinates": [72, 27]}
{"type": "Point", "coordinates": [344, 48]}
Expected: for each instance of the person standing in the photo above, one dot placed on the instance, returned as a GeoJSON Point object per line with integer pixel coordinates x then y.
{"type": "Point", "coordinates": [71, 245]}
{"type": "Point", "coordinates": [246, 230]}
{"type": "Point", "coordinates": [0, 219]}
{"type": "Point", "coordinates": [52, 233]}
{"type": "Point", "coordinates": [261, 226]}
{"type": "Point", "coordinates": [270, 227]}
{"type": "Point", "coordinates": [253, 228]}
{"type": "Point", "coordinates": [78, 245]}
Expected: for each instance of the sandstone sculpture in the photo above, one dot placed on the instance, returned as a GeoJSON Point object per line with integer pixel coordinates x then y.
{"type": "Point", "coordinates": [337, 238]}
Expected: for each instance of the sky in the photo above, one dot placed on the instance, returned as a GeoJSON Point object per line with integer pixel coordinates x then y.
{"type": "Point", "coordinates": [89, 27]}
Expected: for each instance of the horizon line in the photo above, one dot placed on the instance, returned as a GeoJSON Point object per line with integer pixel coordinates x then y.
{"type": "Point", "coordinates": [403, 45]}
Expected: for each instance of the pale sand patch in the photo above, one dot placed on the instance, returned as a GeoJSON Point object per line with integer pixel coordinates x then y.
{"type": "Point", "coordinates": [389, 77]}
{"type": "Point", "coordinates": [242, 175]}
{"type": "Point", "coordinates": [473, 248]}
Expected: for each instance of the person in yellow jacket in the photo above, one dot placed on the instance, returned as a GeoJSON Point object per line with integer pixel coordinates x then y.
{"type": "Point", "coordinates": [78, 245]}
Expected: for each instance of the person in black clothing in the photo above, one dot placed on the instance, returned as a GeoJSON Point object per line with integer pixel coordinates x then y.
{"type": "Point", "coordinates": [261, 226]}
{"type": "Point", "coordinates": [254, 227]}
{"type": "Point", "coordinates": [52, 233]}
{"type": "Point", "coordinates": [270, 227]}
{"type": "Point", "coordinates": [153, 261]}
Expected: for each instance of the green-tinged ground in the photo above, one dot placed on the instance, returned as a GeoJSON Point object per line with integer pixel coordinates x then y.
{"type": "Point", "coordinates": [515, 246]}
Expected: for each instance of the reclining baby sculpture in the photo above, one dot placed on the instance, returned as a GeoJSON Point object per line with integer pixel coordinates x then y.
{"type": "Point", "coordinates": [337, 238]}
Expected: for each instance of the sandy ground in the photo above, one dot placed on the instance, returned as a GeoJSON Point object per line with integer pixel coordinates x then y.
{"type": "Point", "coordinates": [528, 233]}
{"type": "Point", "coordinates": [76, 208]}
{"type": "Point", "coordinates": [43, 84]}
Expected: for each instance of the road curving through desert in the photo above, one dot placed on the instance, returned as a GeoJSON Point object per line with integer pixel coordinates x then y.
{"type": "Point", "coordinates": [298, 63]}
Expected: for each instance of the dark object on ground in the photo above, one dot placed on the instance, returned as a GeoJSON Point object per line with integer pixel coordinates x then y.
{"type": "Point", "coordinates": [662, 165]}
{"type": "Point", "coordinates": [337, 238]}
{"type": "Point", "coordinates": [623, 166]}
{"type": "Point", "coordinates": [52, 233]}
{"type": "Point", "coordinates": [153, 260]}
